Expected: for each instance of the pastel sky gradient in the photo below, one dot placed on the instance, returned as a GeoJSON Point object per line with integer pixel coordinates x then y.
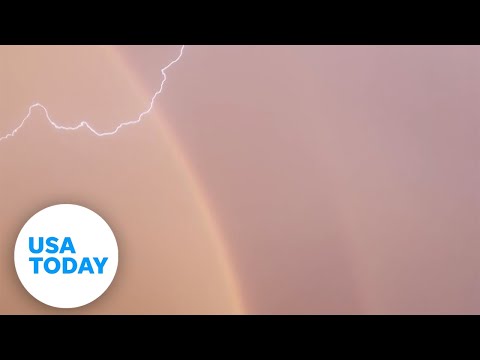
{"type": "Point", "coordinates": [268, 179]}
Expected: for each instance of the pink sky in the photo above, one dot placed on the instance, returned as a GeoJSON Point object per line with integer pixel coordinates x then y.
{"type": "Point", "coordinates": [275, 179]}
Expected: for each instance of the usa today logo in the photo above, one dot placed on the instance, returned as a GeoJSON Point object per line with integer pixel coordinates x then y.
{"type": "Point", "coordinates": [66, 262]}
{"type": "Point", "coordinates": [66, 256]}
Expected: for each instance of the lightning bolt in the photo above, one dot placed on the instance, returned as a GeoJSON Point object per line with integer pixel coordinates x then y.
{"type": "Point", "coordinates": [85, 124]}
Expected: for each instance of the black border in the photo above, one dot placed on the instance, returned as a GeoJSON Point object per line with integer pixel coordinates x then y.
{"type": "Point", "coordinates": [346, 336]}
{"type": "Point", "coordinates": [240, 23]}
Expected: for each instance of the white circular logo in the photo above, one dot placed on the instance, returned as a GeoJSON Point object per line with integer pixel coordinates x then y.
{"type": "Point", "coordinates": [66, 256]}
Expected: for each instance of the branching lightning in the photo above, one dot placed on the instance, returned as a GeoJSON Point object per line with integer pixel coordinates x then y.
{"type": "Point", "coordinates": [85, 124]}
